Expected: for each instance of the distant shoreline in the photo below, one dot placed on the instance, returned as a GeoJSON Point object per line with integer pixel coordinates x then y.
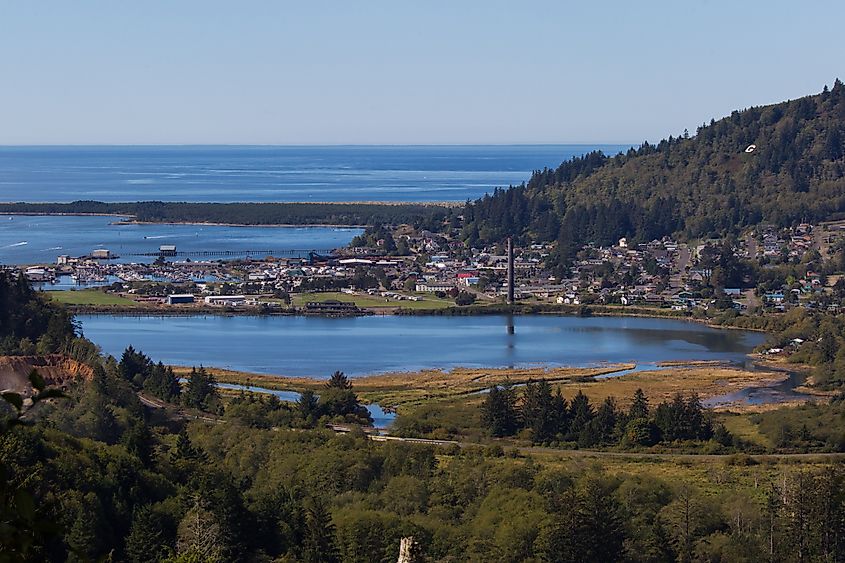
{"type": "Point", "coordinates": [60, 213]}
{"type": "Point", "coordinates": [444, 203]}
{"type": "Point", "coordinates": [246, 214]}
{"type": "Point", "coordinates": [132, 221]}
{"type": "Point", "coordinates": [211, 224]}
{"type": "Point", "coordinates": [142, 310]}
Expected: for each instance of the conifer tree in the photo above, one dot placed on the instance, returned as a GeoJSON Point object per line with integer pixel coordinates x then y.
{"type": "Point", "coordinates": [319, 545]}
{"type": "Point", "coordinates": [639, 405]}
{"type": "Point", "coordinates": [498, 411]}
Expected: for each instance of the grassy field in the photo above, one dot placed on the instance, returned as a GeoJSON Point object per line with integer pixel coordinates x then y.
{"type": "Point", "coordinates": [392, 389]}
{"type": "Point", "coordinates": [741, 426]}
{"type": "Point", "coordinates": [372, 301]}
{"type": "Point", "coordinates": [660, 385]}
{"type": "Point", "coordinates": [461, 385]}
{"type": "Point", "coordinates": [90, 297]}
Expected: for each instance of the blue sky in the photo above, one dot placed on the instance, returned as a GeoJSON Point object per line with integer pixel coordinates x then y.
{"type": "Point", "coordinates": [400, 72]}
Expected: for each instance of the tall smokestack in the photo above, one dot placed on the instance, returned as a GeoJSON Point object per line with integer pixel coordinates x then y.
{"type": "Point", "coordinates": [510, 271]}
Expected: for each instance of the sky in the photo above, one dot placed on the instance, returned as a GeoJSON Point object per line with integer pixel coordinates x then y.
{"type": "Point", "coordinates": [401, 72]}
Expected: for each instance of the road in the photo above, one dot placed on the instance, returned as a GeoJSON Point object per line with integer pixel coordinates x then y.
{"type": "Point", "coordinates": [676, 279]}
{"type": "Point", "coordinates": [173, 410]}
{"type": "Point", "coordinates": [751, 244]}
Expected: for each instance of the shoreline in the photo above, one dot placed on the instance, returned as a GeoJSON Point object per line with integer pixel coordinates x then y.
{"type": "Point", "coordinates": [334, 214]}
{"type": "Point", "coordinates": [398, 389]}
{"type": "Point", "coordinates": [60, 213]}
{"type": "Point", "coordinates": [442, 203]}
{"type": "Point", "coordinates": [211, 224]}
{"type": "Point", "coordinates": [563, 310]}
{"type": "Point", "coordinates": [196, 223]}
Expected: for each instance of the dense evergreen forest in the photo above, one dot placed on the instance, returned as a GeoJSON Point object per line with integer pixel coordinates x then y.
{"type": "Point", "coordinates": [420, 215]}
{"type": "Point", "coordinates": [711, 183]}
{"type": "Point", "coordinates": [31, 325]}
{"type": "Point", "coordinates": [96, 473]}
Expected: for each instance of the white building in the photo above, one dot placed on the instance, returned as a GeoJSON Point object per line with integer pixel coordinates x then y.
{"type": "Point", "coordinates": [225, 300]}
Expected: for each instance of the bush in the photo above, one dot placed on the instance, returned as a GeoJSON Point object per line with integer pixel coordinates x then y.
{"type": "Point", "coordinates": [464, 298]}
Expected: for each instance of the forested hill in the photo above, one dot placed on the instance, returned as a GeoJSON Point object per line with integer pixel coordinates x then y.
{"type": "Point", "coordinates": [699, 185]}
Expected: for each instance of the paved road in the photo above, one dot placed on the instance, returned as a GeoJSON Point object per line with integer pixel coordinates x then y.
{"type": "Point", "coordinates": [676, 280]}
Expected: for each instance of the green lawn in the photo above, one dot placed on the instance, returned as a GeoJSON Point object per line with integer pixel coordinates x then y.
{"type": "Point", "coordinates": [90, 297]}
{"type": "Point", "coordinates": [372, 301]}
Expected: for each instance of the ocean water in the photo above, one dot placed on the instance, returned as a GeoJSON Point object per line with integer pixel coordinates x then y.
{"type": "Point", "coordinates": [267, 173]}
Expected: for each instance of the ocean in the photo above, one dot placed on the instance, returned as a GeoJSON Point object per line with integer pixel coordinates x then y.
{"type": "Point", "coordinates": [272, 173]}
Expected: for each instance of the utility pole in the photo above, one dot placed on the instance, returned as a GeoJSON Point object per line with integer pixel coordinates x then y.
{"type": "Point", "coordinates": [510, 272]}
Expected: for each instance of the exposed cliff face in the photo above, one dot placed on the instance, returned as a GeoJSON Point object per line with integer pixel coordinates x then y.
{"type": "Point", "coordinates": [56, 369]}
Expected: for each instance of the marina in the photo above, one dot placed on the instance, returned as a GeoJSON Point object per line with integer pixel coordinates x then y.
{"type": "Point", "coordinates": [26, 239]}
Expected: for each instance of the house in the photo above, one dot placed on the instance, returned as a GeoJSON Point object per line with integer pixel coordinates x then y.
{"type": "Point", "coordinates": [432, 287]}
{"type": "Point", "coordinates": [232, 300]}
{"type": "Point", "coordinates": [467, 278]}
{"type": "Point", "coordinates": [569, 298]}
{"type": "Point", "coordinates": [773, 297]}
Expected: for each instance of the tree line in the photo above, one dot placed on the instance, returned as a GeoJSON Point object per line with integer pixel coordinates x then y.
{"type": "Point", "coordinates": [354, 214]}
{"type": "Point", "coordinates": [546, 417]}
{"type": "Point", "coordinates": [337, 402]}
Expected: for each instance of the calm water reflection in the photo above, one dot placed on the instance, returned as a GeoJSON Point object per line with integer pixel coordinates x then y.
{"type": "Point", "coordinates": [317, 346]}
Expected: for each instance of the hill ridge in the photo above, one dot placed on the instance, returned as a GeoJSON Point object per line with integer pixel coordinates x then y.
{"type": "Point", "coordinates": [693, 186]}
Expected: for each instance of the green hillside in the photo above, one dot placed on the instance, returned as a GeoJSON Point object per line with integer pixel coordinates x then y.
{"type": "Point", "coordinates": [693, 185]}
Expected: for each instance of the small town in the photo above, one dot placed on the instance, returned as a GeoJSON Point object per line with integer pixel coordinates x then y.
{"type": "Point", "coordinates": [422, 282]}
{"type": "Point", "coordinates": [391, 269]}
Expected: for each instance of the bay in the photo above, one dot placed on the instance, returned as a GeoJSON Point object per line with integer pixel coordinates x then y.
{"type": "Point", "coordinates": [316, 347]}
{"type": "Point", "coordinates": [26, 239]}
